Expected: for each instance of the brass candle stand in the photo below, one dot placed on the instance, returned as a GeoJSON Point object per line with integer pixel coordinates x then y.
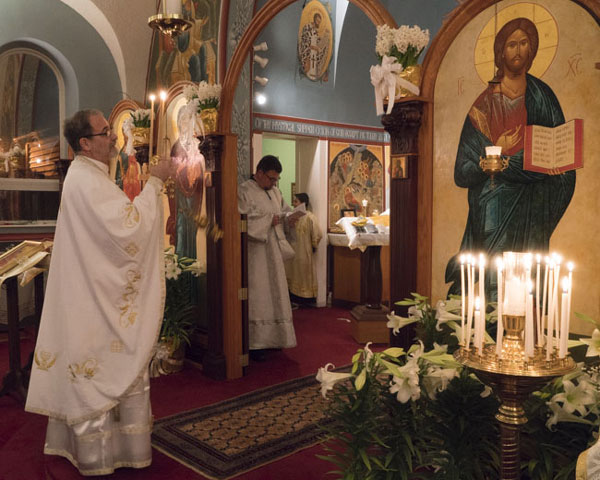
{"type": "Point", "coordinates": [513, 377]}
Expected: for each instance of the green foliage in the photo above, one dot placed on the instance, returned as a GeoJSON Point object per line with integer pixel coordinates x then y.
{"type": "Point", "coordinates": [459, 431]}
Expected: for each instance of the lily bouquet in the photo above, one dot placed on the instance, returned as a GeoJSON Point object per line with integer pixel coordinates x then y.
{"type": "Point", "coordinates": [207, 95]}
{"type": "Point", "coordinates": [403, 43]}
{"type": "Point", "coordinates": [178, 315]}
{"type": "Point", "coordinates": [141, 118]}
{"type": "Point", "coordinates": [408, 414]}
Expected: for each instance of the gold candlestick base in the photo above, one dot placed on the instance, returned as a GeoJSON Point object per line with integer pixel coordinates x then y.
{"type": "Point", "coordinates": [170, 24]}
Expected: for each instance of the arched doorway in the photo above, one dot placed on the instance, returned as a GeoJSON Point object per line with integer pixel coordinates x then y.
{"type": "Point", "coordinates": [232, 268]}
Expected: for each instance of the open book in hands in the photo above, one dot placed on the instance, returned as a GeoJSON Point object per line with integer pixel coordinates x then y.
{"type": "Point", "coordinates": [296, 213]}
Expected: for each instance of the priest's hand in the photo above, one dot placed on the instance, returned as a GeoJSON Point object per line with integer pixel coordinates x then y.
{"type": "Point", "coordinates": [275, 220]}
{"type": "Point", "coordinates": [162, 169]}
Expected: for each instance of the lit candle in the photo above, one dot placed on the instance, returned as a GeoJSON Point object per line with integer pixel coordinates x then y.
{"type": "Point", "coordinates": [500, 324]}
{"type": "Point", "coordinates": [538, 316]}
{"type": "Point", "coordinates": [544, 313]}
{"type": "Point", "coordinates": [529, 340]}
{"type": "Point", "coordinates": [152, 98]}
{"type": "Point", "coordinates": [470, 290]}
{"type": "Point", "coordinates": [564, 332]}
{"type": "Point", "coordinates": [570, 267]}
{"type": "Point", "coordinates": [550, 317]}
{"type": "Point", "coordinates": [478, 326]}
{"type": "Point", "coordinates": [557, 260]}
{"type": "Point", "coordinates": [364, 204]}
{"type": "Point", "coordinates": [482, 284]}
{"type": "Point", "coordinates": [462, 303]}
{"type": "Point", "coordinates": [162, 120]}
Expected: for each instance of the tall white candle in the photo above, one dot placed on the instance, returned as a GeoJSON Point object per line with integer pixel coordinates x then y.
{"type": "Point", "coordinates": [463, 297]}
{"type": "Point", "coordinates": [570, 267]}
{"type": "Point", "coordinates": [550, 319]}
{"type": "Point", "coordinates": [557, 260]}
{"type": "Point", "coordinates": [151, 142]}
{"type": "Point", "coordinates": [500, 324]}
{"type": "Point", "coordinates": [529, 340]}
{"type": "Point", "coordinates": [482, 285]}
{"type": "Point", "coordinates": [162, 123]}
{"type": "Point", "coordinates": [478, 326]}
{"type": "Point", "coordinates": [538, 316]}
{"type": "Point", "coordinates": [544, 298]}
{"type": "Point", "coordinates": [470, 301]}
{"type": "Point", "coordinates": [564, 333]}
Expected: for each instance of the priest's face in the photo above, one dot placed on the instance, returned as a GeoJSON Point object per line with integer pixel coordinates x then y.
{"type": "Point", "coordinates": [266, 180]}
{"type": "Point", "coordinates": [100, 144]}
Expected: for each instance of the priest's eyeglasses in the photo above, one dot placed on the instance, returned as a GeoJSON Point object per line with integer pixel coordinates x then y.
{"type": "Point", "coordinates": [103, 133]}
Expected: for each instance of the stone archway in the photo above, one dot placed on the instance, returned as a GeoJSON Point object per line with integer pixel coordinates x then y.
{"type": "Point", "coordinates": [232, 273]}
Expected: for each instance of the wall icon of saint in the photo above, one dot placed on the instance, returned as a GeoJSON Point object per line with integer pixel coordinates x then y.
{"type": "Point", "coordinates": [521, 211]}
{"type": "Point", "coordinates": [315, 41]}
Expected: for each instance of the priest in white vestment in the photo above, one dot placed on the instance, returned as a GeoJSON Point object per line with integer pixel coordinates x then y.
{"type": "Point", "coordinates": [270, 312]}
{"type": "Point", "coordinates": [102, 311]}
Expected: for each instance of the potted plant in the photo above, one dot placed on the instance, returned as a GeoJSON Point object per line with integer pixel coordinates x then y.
{"type": "Point", "coordinates": [207, 97]}
{"type": "Point", "coordinates": [179, 312]}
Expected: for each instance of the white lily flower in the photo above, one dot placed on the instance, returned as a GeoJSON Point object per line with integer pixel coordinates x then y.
{"type": "Point", "coordinates": [443, 312]}
{"type": "Point", "coordinates": [559, 414]}
{"type": "Point", "coordinates": [414, 312]}
{"type": "Point", "coordinates": [172, 270]}
{"type": "Point", "coordinates": [368, 353]}
{"type": "Point", "coordinates": [395, 322]}
{"type": "Point", "coordinates": [437, 379]}
{"type": "Point", "coordinates": [576, 398]}
{"type": "Point", "coordinates": [487, 391]}
{"type": "Point", "coordinates": [329, 379]}
{"type": "Point", "coordinates": [196, 268]}
{"type": "Point", "coordinates": [407, 387]}
{"type": "Point", "coordinates": [593, 344]}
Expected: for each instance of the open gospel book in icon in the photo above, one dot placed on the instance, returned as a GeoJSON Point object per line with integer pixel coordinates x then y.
{"type": "Point", "coordinates": [554, 148]}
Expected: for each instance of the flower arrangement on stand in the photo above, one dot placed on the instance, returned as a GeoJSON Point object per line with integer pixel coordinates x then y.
{"type": "Point", "coordinates": [398, 73]}
{"type": "Point", "coordinates": [420, 414]}
{"type": "Point", "coordinates": [179, 313]}
{"type": "Point", "coordinates": [206, 98]}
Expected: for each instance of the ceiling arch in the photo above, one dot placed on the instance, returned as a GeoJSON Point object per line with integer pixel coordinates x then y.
{"type": "Point", "coordinates": [96, 18]}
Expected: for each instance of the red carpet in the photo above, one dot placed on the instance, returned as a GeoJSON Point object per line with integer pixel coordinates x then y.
{"type": "Point", "coordinates": [322, 338]}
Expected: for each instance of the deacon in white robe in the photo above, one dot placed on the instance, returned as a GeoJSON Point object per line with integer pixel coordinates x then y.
{"type": "Point", "coordinates": [270, 312]}
{"type": "Point", "coordinates": [102, 311]}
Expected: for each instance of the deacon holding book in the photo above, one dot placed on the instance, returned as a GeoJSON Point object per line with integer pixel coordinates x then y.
{"type": "Point", "coordinates": [269, 308]}
{"type": "Point", "coordinates": [102, 311]}
{"type": "Point", "coordinates": [522, 210]}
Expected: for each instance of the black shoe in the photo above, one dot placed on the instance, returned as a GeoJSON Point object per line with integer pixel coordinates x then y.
{"type": "Point", "coordinates": [258, 355]}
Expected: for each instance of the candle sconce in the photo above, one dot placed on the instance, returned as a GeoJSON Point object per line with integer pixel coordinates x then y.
{"type": "Point", "coordinates": [493, 162]}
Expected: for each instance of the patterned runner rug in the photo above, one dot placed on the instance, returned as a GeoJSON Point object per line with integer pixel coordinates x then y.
{"type": "Point", "coordinates": [226, 439]}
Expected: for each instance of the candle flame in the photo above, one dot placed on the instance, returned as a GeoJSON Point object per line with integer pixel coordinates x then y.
{"type": "Point", "coordinates": [152, 97]}
{"type": "Point", "coordinates": [499, 263]}
{"type": "Point", "coordinates": [462, 259]}
{"type": "Point", "coordinates": [538, 258]}
{"type": "Point", "coordinates": [163, 95]}
{"type": "Point", "coordinates": [477, 303]}
{"type": "Point", "coordinates": [481, 260]}
{"type": "Point", "coordinates": [529, 287]}
{"type": "Point", "coordinates": [565, 284]}
{"type": "Point", "coordinates": [570, 266]}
